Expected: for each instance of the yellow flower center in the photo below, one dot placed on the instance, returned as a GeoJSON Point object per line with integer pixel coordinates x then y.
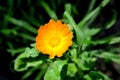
{"type": "Point", "coordinates": [54, 41]}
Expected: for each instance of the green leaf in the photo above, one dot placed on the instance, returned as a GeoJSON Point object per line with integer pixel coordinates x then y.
{"type": "Point", "coordinates": [110, 23]}
{"type": "Point", "coordinates": [90, 17]}
{"type": "Point", "coordinates": [22, 63]}
{"type": "Point", "coordinates": [91, 32]}
{"type": "Point", "coordinates": [88, 33]}
{"type": "Point", "coordinates": [109, 56]}
{"type": "Point", "coordinates": [95, 75]}
{"type": "Point", "coordinates": [110, 40]}
{"type": "Point", "coordinates": [115, 40]}
{"type": "Point", "coordinates": [9, 31]}
{"type": "Point", "coordinates": [86, 60]}
{"type": "Point", "coordinates": [73, 53]}
{"type": "Point", "coordinates": [91, 5]}
{"type": "Point", "coordinates": [50, 12]}
{"type": "Point", "coordinates": [71, 71]}
{"type": "Point", "coordinates": [21, 23]}
{"type": "Point", "coordinates": [32, 52]}
{"type": "Point", "coordinates": [68, 8]}
{"type": "Point", "coordinates": [13, 52]}
{"type": "Point", "coordinates": [78, 31]}
{"type": "Point", "coordinates": [101, 41]}
{"type": "Point", "coordinates": [54, 70]}
{"type": "Point", "coordinates": [26, 36]}
{"type": "Point", "coordinates": [27, 59]}
{"type": "Point", "coordinates": [31, 19]}
{"type": "Point", "coordinates": [88, 57]}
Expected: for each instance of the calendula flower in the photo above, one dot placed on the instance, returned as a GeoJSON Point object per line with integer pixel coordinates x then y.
{"type": "Point", "coordinates": [54, 38]}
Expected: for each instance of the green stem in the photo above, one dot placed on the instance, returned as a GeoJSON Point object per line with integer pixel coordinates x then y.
{"type": "Point", "coordinates": [50, 12]}
{"type": "Point", "coordinates": [92, 3]}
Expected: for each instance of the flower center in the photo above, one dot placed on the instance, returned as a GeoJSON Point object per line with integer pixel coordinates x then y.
{"type": "Point", "coordinates": [54, 41]}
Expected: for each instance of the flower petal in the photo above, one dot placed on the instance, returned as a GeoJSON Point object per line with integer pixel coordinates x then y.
{"type": "Point", "coordinates": [54, 38]}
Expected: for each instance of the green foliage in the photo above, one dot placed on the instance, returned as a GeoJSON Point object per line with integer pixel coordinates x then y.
{"type": "Point", "coordinates": [80, 58]}
{"type": "Point", "coordinates": [27, 59]}
{"type": "Point", "coordinates": [54, 70]}
{"type": "Point", "coordinates": [71, 70]}
{"type": "Point", "coordinates": [21, 24]}
{"type": "Point", "coordinates": [110, 56]}
{"type": "Point", "coordinates": [50, 12]}
{"type": "Point", "coordinates": [94, 75]}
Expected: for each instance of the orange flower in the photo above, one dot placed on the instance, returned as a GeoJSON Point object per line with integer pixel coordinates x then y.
{"type": "Point", "coordinates": [54, 38]}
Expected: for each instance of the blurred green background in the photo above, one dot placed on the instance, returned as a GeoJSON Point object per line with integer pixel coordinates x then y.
{"type": "Point", "coordinates": [20, 19]}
